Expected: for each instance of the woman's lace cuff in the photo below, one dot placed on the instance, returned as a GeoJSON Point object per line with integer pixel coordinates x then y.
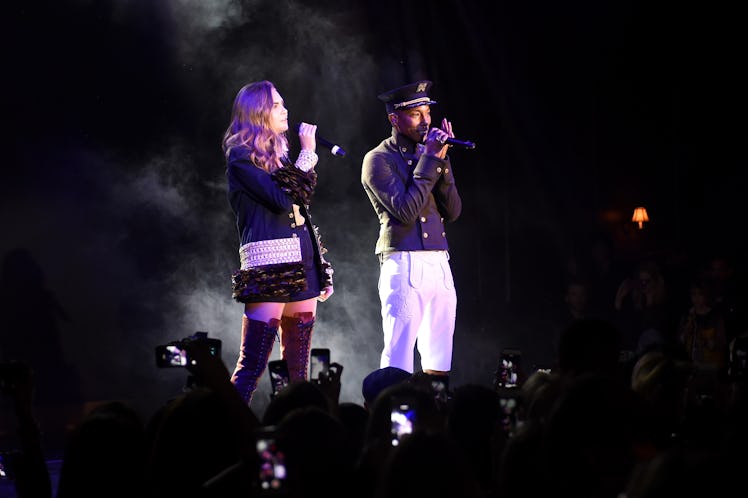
{"type": "Point", "coordinates": [307, 160]}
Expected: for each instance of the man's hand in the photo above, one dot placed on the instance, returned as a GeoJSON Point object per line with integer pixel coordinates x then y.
{"type": "Point", "coordinates": [436, 139]}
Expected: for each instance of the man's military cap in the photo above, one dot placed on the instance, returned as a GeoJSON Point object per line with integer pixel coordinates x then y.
{"type": "Point", "coordinates": [408, 96]}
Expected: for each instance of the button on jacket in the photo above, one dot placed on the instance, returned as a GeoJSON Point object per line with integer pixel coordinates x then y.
{"type": "Point", "coordinates": [412, 197]}
{"type": "Point", "coordinates": [264, 211]}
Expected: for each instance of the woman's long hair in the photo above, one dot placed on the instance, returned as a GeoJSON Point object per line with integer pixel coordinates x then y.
{"type": "Point", "coordinates": [250, 126]}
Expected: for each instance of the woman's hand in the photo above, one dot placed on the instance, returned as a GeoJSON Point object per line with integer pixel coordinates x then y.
{"type": "Point", "coordinates": [325, 294]}
{"type": "Point", "coordinates": [307, 136]}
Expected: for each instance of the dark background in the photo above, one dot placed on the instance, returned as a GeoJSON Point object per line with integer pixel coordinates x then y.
{"type": "Point", "coordinates": [116, 232]}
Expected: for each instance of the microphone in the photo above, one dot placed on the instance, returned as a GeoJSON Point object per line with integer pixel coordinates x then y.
{"type": "Point", "coordinates": [460, 144]}
{"type": "Point", "coordinates": [336, 150]}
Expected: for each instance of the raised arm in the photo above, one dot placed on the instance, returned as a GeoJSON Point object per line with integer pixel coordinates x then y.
{"type": "Point", "coordinates": [403, 198]}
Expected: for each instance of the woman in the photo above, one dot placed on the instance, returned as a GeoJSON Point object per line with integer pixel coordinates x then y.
{"type": "Point", "coordinates": [283, 272]}
{"type": "Point", "coordinates": [702, 329]}
{"type": "Point", "coordinates": [643, 308]}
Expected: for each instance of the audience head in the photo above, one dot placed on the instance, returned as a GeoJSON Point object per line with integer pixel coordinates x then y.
{"type": "Point", "coordinates": [474, 413]}
{"type": "Point", "coordinates": [196, 439]}
{"type": "Point", "coordinates": [380, 379]}
{"type": "Point", "coordinates": [576, 298]}
{"type": "Point", "coordinates": [428, 418]}
{"type": "Point", "coordinates": [108, 446]}
{"type": "Point", "coordinates": [589, 437]}
{"type": "Point", "coordinates": [650, 284]}
{"type": "Point", "coordinates": [661, 383]}
{"type": "Point", "coordinates": [298, 394]}
{"type": "Point", "coordinates": [317, 460]}
{"type": "Point", "coordinates": [474, 423]}
{"type": "Point", "coordinates": [354, 418]}
{"type": "Point", "coordinates": [703, 294]}
{"type": "Point", "coordinates": [681, 473]}
{"type": "Point", "coordinates": [656, 376]}
{"type": "Point", "coordinates": [427, 465]}
{"type": "Point", "coordinates": [719, 268]}
{"type": "Point", "coordinates": [538, 393]}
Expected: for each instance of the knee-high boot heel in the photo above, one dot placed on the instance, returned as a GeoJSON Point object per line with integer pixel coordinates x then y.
{"type": "Point", "coordinates": [256, 346]}
{"type": "Point", "coordinates": [296, 337]}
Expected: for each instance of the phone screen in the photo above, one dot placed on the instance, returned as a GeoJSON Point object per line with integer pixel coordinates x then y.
{"type": "Point", "coordinates": [507, 371]}
{"type": "Point", "coordinates": [440, 387]}
{"type": "Point", "coordinates": [170, 355]}
{"type": "Point", "coordinates": [402, 416]}
{"type": "Point", "coordinates": [279, 376]}
{"type": "Point", "coordinates": [272, 463]}
{"type": "Point", "coordinates": [319, 363]}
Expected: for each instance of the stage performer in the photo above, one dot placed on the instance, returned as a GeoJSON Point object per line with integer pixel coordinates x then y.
{"type": "Point", "coordinates": [409, 180]}
{"type": "Point", "coordinates": [283, 271]}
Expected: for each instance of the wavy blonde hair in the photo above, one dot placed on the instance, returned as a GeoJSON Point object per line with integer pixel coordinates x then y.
{"type": "Point", "coordinates": [250, 126]}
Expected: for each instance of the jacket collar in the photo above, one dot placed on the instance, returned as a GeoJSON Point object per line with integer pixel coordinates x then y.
{"type": "Point", "coordinates": [403, 143]}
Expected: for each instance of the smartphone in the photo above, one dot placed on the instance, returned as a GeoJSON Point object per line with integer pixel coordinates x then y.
{"type": "Point", "coordinates": [507, 371]}
{"type": "Point", "coordinates": [279, 376]}
{"type": "Point", "coordinates": [403, 418]}
{"type": "Point", "coordinates": [170, 355]}
{"type": "Point", "coordinates": [440, 387]}
{"type": "Point", "coordinates": [271, 469]}
{"type": "Point", "coordinates": [174, 354]}
{"type": "Point", "coordinates": [509, 406]}
{"type": "Point", "coordinates": [319, 363]}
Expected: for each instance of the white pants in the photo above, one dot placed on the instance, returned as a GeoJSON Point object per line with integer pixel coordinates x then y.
{"type": "Point", "coordinates": [418, 303]}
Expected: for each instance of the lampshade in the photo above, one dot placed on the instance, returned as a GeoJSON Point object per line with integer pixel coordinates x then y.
{"type": "Point", "coordinates": [640, 216]}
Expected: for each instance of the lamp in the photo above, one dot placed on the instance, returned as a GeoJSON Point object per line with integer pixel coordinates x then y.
{"type": "Point", "coordinates": [640, 216]}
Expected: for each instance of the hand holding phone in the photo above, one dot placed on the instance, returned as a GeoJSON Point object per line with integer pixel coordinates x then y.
{"type": "Point", "coordinates": [508, 369]}
{"type": "Point", "coordinates": [330, 383]}
{"type": "Point", "coordinates": [271, 470]}
{"type": "Point", "coordinates": [319, 364]}
{"type": "Point", "coordinates": [279, 376]}
{"type": "Point", "coordinates": [175, 354]}
{"type": "Point", "coordinates": [403, 418]}
{"type": "Point", "coordinates": [509, 404]}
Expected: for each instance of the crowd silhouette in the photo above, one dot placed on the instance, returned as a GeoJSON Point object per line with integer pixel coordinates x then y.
{"type": "Point", "coordinates": [644, 398]}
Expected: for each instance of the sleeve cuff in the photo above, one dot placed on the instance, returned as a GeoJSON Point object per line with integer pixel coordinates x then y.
{"type": "Point", "coordinates": [307, 160]}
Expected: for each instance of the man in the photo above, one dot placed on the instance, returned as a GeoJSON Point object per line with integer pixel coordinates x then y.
{"type": "Point", "coordinates": [408, 178]}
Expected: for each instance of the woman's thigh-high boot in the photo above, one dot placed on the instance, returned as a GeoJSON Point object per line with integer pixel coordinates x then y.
{"type": "Point", "coordinates": [256, 346]}
{"type": "Point", "coordinates": [296, 337]}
